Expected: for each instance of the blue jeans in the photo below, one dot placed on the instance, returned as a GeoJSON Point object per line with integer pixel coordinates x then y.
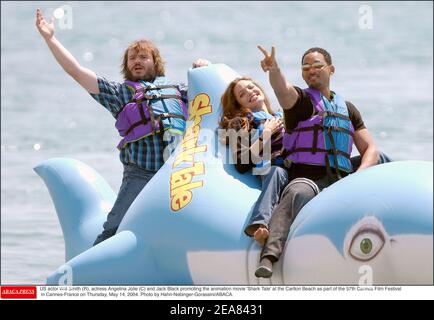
{"type": "Point", "coordinates": [273, 184]}
{"type": "Point", "coordinates": [133, 181]}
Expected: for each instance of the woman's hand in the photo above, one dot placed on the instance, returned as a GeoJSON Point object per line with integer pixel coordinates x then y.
{"type": "Point", "coordinates": [45, 29]}
{"type": "Point", "coordinates": [273, 125]}
{"type": "Point", "coordinates": [239, 123]}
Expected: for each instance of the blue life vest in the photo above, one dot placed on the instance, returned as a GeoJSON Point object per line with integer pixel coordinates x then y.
{"type": "Point", "coordinates": [155, 106]}
{"type": "Point", "coordinates": [259, 117]}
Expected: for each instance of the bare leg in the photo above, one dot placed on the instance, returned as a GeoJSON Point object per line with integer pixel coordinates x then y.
{"type": "Point", "coordinates": [261, 235]}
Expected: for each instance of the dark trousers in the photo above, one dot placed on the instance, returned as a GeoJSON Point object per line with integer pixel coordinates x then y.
{"type": "Point", "coordinates": [133, 181]}
{"type": "Point", "coordinates": [293, 198]}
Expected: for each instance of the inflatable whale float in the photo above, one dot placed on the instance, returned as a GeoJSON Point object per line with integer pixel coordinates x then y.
{"type": "Point", "coordinates": [186, 226]}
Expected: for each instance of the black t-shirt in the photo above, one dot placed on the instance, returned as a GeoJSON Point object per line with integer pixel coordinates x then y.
{"type": "Point", "coordinates": [303, 110]}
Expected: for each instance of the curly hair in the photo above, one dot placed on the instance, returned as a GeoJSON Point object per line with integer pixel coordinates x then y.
{"type": "Point", "coordinates": [234, 115]}
{"type": "Point", "coordinates": [147, 46]}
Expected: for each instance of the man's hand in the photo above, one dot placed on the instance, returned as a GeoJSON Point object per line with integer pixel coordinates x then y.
{"type": "Point", "coordinates": [85, 77]}
{"type": "Point", "coordinates": [201, 63]}
{"type": "Point", "coordinates": [45, 29]}
{"type": "Point", "coordinates": [285, 92]}
{"type": "Point", "coordinates": [269, 61]}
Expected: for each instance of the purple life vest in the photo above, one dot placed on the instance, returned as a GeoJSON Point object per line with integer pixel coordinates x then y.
{"type": "Point", "coordinates": [326, 138]}
{"type": "Point", "coordinates": [154, 107]}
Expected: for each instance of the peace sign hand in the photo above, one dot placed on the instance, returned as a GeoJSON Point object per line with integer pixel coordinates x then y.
{"type": "Point", "coordinates": [269, 62]}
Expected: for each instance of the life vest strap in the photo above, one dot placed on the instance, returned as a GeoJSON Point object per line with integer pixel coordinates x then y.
{"type": "Point", "coordinates": [335, 154]}
{"type": "Point", "coordinates": [324, 128]}
{"type": "Point", "coordinates": [315, 138]}
{"type": "Point", "coordinates": [332, 114]}
{"type": "Point", "coordinates": [344, 130]}
{"type": "Point", "coordinates": [136, 124]}
{"type": "Point", "coordinates": [162, 86]}
{"type": "Point", "coordinates": [171, 115]}
{"type": "Point", "coordinates": [156, 96]}
{"type": "Point", "coordinates": [330, 175]}
{"type": "Point", "coordinates": [140, 87]}
{"type": "Point", "coordinates": [151, 114]}
{"type": "Point", "coordinates": [339, 152]}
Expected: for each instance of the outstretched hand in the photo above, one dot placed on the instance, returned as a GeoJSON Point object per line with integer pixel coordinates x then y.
{"type": "Point", "coordinates": [45, 29]}
{"type": "Point", "coordinates": [269, 62]}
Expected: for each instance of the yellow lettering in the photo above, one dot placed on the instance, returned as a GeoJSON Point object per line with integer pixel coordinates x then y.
{"type": "Point", "coordinates": [188, 155]}
{"type": "Point", "coordinates": [181, 181]}
{"type": "Point", "coordinates": [185, 176]}
{"type": "Point", "coordinates": [188, 144]}
{"type": "Point", "coordinates": [190, 138]}
{"type": "Point", "coordinates": [199, 107]}
{"type": "Point", "coordinates": [183, 196]}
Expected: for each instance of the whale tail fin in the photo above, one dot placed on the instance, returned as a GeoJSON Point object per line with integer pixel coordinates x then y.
{"type": "Point", "coordinates": [123, 259]}
{"type": "Point", "coordinates": [82, 199]}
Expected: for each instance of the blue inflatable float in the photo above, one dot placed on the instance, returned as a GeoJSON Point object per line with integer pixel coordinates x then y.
{"type": "Point", "coordinates": [186, 226]}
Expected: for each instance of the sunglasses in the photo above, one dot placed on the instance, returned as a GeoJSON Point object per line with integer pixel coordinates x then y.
{"type": "Point", "coordinates": [315, 65]}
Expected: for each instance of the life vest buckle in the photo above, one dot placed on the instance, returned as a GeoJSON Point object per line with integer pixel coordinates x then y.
{"type": "Point", "coordinates": [287, 163]}
{"type": "Point", "coordinates": [155, 95]}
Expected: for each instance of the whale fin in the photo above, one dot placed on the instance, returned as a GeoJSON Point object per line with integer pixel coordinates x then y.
{"type": "Point", "coordinates": [82, 199]}
{"type": "Point", "coordinates": [123, 255]}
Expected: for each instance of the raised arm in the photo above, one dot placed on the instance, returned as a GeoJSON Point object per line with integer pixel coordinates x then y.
{"type": "Point", "coordinates": [285, 92]}
{"type": "Point", "coordinates": [85, 77]}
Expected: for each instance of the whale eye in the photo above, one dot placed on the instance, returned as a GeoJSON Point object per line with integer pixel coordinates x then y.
{"type": "Point", "coordinates": [366, 244]}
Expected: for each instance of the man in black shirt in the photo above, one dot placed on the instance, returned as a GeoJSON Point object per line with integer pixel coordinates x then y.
{"type": "Point", "coordinates": [309, 176]}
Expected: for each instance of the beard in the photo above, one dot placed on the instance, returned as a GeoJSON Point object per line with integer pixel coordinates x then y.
{"type": "Point", "coordinates": [315, 85]}
{"type": "Point", "coordinates": [148, 76]}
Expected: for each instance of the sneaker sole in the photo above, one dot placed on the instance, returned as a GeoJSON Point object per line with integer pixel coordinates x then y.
{"type": "Point", "coordinates": [263, 272]}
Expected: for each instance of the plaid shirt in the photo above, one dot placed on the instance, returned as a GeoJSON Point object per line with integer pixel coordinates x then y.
{"type": "Point", "coordinates": [147, 153]}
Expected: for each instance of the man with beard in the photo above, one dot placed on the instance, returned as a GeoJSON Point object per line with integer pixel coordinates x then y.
{"type": "Point", "coordinates": [150, 113]}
